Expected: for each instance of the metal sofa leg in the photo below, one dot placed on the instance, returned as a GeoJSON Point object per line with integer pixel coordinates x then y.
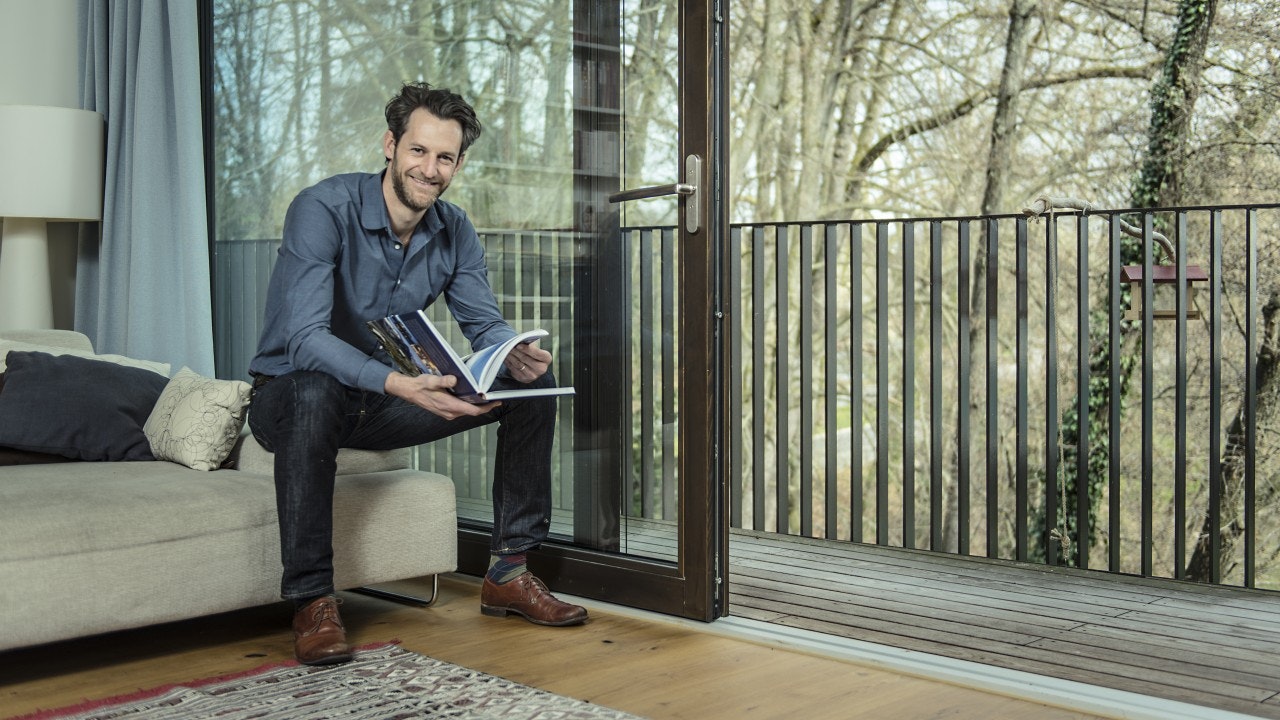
{"type": "Point", "coordinates": [402, 597]}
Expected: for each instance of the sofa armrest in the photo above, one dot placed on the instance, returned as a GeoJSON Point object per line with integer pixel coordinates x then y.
{"type": "Point", "coordinates": [248, 456]}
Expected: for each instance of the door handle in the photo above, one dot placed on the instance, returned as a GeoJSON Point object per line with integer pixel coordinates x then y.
{"type": "Point", "coordinates": [688, 188]}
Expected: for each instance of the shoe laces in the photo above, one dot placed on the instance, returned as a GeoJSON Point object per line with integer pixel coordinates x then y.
{"type": "Point", "coordinates": [326, 611]}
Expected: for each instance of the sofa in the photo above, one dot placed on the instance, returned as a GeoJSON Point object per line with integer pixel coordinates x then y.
{"type": "Point", "coordinates": [124, 540]}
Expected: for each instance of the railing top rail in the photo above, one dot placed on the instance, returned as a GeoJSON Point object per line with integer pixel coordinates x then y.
{"type": "Point", "coordinates": [1099, 212]}
{"type": "Point", "coordinates": [1006, 216]}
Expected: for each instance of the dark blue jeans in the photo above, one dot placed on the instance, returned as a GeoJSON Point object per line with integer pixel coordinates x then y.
{"type": "Point", "coordinates": [304, 417]}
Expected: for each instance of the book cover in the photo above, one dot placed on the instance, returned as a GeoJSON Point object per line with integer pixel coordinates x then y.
{"type": "Point", "coordinates": [416, 347]}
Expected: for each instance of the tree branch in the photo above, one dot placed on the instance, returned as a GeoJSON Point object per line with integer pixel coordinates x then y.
{"type": "Point", "coordinates": [966, 106]}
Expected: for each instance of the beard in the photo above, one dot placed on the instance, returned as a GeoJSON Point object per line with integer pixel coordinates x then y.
{"type": "Point", "coordinates": [401, 188]}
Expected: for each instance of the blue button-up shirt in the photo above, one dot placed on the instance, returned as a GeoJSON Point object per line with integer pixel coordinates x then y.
{"type": "Point", "coordinates": [340, 265]}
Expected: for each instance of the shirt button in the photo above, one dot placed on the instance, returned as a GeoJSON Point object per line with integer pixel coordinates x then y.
{"type": "Point", "coordinates": [397, 283]}
{"type": "Point", "coordinates": [397, 246]}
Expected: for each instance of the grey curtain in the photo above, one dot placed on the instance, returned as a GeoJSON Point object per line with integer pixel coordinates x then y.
{"type": "Point", "coordinates": [142, 288]}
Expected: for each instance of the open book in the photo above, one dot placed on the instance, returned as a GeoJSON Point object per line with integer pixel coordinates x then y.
{"type": "Point", "coordinates": [417, 347]}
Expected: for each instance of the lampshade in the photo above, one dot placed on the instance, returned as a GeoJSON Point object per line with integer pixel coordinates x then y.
{"type": "Point", "coordinates": [50, 163]}
{"type": "Point", "coordinates": [50, 169]}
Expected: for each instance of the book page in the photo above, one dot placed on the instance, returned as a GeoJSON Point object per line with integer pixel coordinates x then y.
{"type": "Point", "coordinates": [487, 363]}
{"type": "Point", "coordinates": [429, 350]}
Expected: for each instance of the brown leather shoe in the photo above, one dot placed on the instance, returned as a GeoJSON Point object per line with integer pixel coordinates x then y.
{"type": "Point", "coordinates": [319, 638]}
{"type": "Point", "coordinates": [527, 596]}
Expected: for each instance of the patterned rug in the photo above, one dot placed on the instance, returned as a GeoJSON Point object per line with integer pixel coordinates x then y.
{"type": "Point", "coordinates": [381, 683]}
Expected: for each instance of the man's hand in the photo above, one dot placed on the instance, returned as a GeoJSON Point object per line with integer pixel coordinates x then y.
{"type": "Point", "coordinates": [431, 393]}
{"type": "Point", "coordinates": [528, 362]}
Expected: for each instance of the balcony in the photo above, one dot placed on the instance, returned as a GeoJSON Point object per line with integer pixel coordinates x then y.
{"type": "Point", "coordinates": [954, 447]}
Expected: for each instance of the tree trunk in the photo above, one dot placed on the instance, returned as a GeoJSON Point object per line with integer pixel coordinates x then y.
{"type": "Point", "coordinates": [1005, 121]}
{"type": "Point", "coordinates": [1173, 100]}
{"type": "Point", "coordinates": [1231, 481]}
{"type": "Point", "coordinates": [999, 157]}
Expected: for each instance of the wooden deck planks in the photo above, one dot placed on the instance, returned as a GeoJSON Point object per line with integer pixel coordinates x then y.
{"type": "Point", "coordinates": [1207, 645]}
{"type": "Point", "coordinates": [1212, 646]}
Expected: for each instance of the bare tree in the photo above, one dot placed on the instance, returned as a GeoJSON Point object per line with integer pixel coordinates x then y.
{"type": "Point", "coordinates": [1000, 155]}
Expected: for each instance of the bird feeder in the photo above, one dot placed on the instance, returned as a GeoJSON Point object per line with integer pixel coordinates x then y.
{"type": "Point", "coordinates": [1164, 290]}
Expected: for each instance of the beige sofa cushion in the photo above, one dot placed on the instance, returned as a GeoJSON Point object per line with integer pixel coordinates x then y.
{"type": "Point", "coordinates": [69, 339]}
{"type": "Point", "coordinates": [91, 547]}
{"type": "Point", "coordinates": [67, 342]}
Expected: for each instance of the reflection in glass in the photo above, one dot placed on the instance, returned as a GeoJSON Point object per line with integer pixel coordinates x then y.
{"type": "Point", "coordinates": [577, 100]}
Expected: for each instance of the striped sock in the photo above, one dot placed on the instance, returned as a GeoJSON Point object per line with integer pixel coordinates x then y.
{"type": "Point", "coordinates": [505, 568]}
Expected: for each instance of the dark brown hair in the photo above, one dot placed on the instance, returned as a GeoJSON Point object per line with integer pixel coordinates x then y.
{"type": "Point", "coordinates": [441, 102]}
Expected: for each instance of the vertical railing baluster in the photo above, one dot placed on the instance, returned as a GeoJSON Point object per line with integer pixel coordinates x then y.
{"type": "Point", "coordinates": [882, 383]}
{"type": "Point", "coordinates": [1021, 359]}
{"type": "Point", "coordinates": [964, 400]}
{"type": "Point", "coordinates": [526, 286]}
{"type": "Point", "coordinates": [993, 395]}
{"type": "Point", "coordinates": [1113, 400]}
{"type": "Point", "coordinates": [509, 279]}
{"type": "Point", "coordinates": [1148, 447]}
{"type": "Point", "coordinates": [528, 290]}
{"type": "Point", "coordinates": [547, 254]}
{"type": "Point", "coordinates": [540, 289]}
{"type": "Point", "coordinates": [1083, 387]}
{"type": "Point", "coordinates": [1215, 396]}
{"type": "Point", "coordinates": [735, 327]}
{"type": "Point", "coordinates": [1180, 404]}
{"type": "Point", "coordinates": [758, 404]}
{"type": "Point", "coordinates": [1051, 383]}
{"type": "Point", "coordinates": [782, 486]}
{"type": "Point", "coordinates": [1052, 527]}
{"type": "Point", "coordinates": [565, 257]}
{"type": "Point", "coordinates": [856, 498]}
{"type": "Point", "coordinates": [1251, 396]}
{"type": "Point", "coordinates": [668, 385]}
{"type": "Point", "coordinates": [936, 413]}
{"type": "Point", "coordinates": [648, 428]}
{"type": "Point", "coordinates": [908, 385]}
{"type": "Point", "coordinates": [806, 380]}
{"type": "Point", "coordinates": [830, 295]}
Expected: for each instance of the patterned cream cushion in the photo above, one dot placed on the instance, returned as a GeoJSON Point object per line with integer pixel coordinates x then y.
{"type": "Point", "coordinates": [197, 420]}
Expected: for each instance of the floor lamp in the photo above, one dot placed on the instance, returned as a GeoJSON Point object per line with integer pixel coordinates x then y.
{"type": "Point", "coordinates": [51, 161]}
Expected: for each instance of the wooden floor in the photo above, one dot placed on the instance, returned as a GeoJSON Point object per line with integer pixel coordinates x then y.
{"type": "Point", "coordinates": [649, 667]}
{"type": "Point", "coordinates": [1209, 646]}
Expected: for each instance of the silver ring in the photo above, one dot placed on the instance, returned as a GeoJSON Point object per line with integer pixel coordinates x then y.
{"type": "Point", "coordinates": [523, 366]}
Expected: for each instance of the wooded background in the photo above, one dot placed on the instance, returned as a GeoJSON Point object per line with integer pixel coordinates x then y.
{"type": "Point", "coordinates": [838, 110]}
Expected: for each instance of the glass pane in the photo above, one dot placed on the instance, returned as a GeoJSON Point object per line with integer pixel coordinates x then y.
{"type": "Point", "coordinates": [578, 100]}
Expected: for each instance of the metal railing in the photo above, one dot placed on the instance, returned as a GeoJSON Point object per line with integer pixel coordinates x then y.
{"type": "Point", "coordinates": [924, 383]}
{"type": "Point", "coordinates": [943, 383]}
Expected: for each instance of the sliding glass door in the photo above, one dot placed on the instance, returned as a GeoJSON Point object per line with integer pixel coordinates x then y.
{"type": "Point", "coordinates": [595, 187]}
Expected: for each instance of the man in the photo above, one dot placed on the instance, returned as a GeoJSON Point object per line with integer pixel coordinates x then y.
{"type": "Point", "coordinates": [358, 247]}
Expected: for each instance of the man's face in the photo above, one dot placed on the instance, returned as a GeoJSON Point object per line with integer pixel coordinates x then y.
{"type": "Point", "coordinates": [423, 163]}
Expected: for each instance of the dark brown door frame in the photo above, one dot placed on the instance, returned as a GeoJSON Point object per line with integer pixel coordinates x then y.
{"type": "Point", "coordinates": [695, 586]}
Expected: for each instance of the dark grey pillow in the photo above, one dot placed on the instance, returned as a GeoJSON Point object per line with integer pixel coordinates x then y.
{"type": "Point", "coordinates": [9, 456]}
{"type": "Point", "coordinates": [76, 407]}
